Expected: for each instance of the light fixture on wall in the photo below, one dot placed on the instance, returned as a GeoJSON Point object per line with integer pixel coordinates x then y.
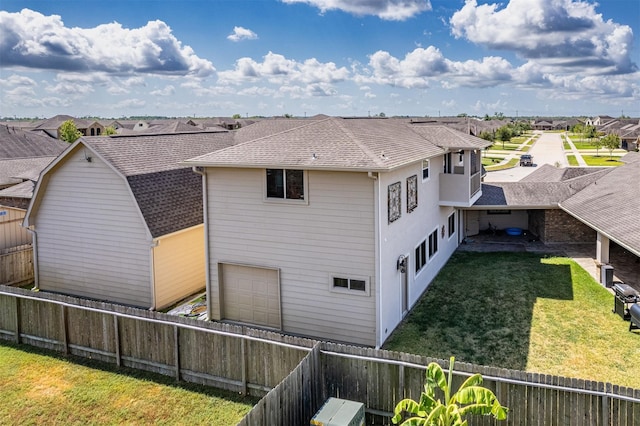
{"type": "Point", "coordinates": [87, 157]}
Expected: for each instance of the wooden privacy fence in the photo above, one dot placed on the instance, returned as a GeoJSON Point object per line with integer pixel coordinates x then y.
{"type": "Point", "coordinates": [225, 356]}
{"type": "Point", "coordinates": [16, 265]}
{"type": "Point", "coordinates": [297, 375]}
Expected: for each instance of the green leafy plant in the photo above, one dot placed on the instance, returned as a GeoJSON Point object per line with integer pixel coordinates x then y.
{"type": "Point", "coordinates": [470, 398]}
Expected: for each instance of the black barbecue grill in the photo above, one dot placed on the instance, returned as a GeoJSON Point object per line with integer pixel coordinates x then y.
{"type": "Point", "coordinates": [625, 295]}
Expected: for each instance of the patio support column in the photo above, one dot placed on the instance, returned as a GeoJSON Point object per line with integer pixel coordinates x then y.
{"type": "Point", "coordinates": [602, 249]}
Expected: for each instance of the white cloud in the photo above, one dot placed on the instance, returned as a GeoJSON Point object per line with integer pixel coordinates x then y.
{"type": "Point", "coordinates": [560, 35]}
{"type": "Point", "coordinates": [15, 80]}
{"type": "Point", "coordinates": [165, 91]}
{"type": "Point", "coordinates": [33, 40]}
{"type": "Point", "coordinates": [277, 69]}
{"type": "Point", "coordinates": [392, 10]}
{"type": "Point", "coordinates": [240, 33]}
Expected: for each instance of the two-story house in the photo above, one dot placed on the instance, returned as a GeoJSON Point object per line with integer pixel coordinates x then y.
{"type": "Point", "coordinates": [333, 228]}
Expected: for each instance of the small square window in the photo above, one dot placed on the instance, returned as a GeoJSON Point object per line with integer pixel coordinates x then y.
{"type": "Point", "coordinates": [358, 285]}
{"type": "Point", "coordinates": [341, 282]}
{"type": "Point", "coordinates": [285, 184]}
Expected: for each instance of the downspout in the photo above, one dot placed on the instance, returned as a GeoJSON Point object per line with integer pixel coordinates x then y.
{"type": "Point", "coordinates": [34, 244]}
{"type": "Point", "coordinates": [378, 261]}
{"type": "Point", "coordinates": [205, 202]}
{"type": "Point", "coordinates": [154, 303]}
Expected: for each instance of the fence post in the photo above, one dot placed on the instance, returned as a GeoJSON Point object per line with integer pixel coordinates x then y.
{"type": "Point", "coordinates": [243, 355]}
{"type": "Point", "coordinates": [65, 331]}
{"type": "Point", "coordinates": [17, 319]}
{"type": "Point", "coordinates": [116, 338]}
{"type": "Point", "coordinates": [176, 350]}
{"type": "Point", "coordinates": [606, 406]}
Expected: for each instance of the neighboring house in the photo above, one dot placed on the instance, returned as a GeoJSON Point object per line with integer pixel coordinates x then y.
{"type": "Point", "coordinates": [610, 207]}
{"type": "Point", "coordinates": [23, 155]}
{"type": "Point", "coordinates": [51, 127]}
{"type": "Point", "coordinates": [333, 228]}
{"type": "Point", "coordinates": [532, 204]}
{"type": "Point", "coordinates": [567, 205]}
{"type": "Point", "coordinates": [118, 219]}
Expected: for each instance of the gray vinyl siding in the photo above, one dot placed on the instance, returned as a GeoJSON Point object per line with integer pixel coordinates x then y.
{"type": "Point", "coordinates": [91, 240]}
{"type": "Point", "coordinates": [308, 243]}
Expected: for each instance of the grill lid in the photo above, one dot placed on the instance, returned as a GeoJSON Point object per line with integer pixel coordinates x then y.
{"type": "Point", "coordinates": [625, 290]}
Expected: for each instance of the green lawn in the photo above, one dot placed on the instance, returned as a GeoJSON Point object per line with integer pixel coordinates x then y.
{"type": "Point", "coordinates": [507, 146]}
{"type": "Point", "coordinates": [602, 160]}
{"type": "Point", "coordinates": [42, 388]}
{"type": "Point", "coordinates": [572, 160]}
{"type": "Point", "coordinates": [487, 161]}
{"type": "Point", "coordinates": [522, 311]}
{"type": "Point", "coordinates": [511, 163]}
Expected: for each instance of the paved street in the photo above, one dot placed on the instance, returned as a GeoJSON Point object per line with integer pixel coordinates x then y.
{"type": "Point", "coordinates": [546, 150]}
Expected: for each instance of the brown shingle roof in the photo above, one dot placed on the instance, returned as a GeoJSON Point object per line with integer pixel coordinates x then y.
{"type": "Point", "coordinates": [336, 144]}
{"type": "Point", "coordinates": [611, 204]}
{"type": "Point", "coordinates": [16, 143]}
{"type": "Point", "coordinates": [168, 194]}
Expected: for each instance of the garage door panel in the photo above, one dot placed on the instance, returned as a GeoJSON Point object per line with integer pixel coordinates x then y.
{"type": "Point", "coordinates": [251, 295]}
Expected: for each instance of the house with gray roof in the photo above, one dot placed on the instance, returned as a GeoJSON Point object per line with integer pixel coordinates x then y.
{"type": "Point", "coordinates": [23, 155]}
{"type": "Point", "coordinates": [333, 227]}
{"type": "Point", "coordinates": [610, 206]}
{"type": "Point", "coordinates": [118, 219]}
{"type": "Point", "coordinates": [567, 205]}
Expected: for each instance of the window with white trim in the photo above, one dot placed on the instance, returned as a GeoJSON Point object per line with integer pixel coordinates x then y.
{"type": "Point", "coordinates": [452, 224]}
{"type": "Point", "coordinates": [351, 285]}
{"type": "Point", "coordinates": [425, 169]}
{"type": "Point", "coordinates": [433, 243]}
{"type": "Point", "coordinates": [421, 256]}
{"type": "Point", "coordinates": [285, 184]}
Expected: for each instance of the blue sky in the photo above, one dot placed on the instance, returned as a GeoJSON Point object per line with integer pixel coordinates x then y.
{"type": "Point", "coordinates": [306, 57]}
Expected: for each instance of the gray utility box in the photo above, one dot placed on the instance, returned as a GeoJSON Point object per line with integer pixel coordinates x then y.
{"type": "Point", "coordinates": [339, 412]}
{"type": "Point", "coordinates": [606, 275]}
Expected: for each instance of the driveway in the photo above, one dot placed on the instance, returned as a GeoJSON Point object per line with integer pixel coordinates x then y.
{"type": "Point", "coordinates": [546, 150]}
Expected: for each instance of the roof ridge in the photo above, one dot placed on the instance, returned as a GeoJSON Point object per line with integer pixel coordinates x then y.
{"type": "Point", "coordinates": [377, 159]}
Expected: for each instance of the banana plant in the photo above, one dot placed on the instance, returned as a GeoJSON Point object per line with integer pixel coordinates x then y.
{"type": "Point", "coordinates": [470, 398]}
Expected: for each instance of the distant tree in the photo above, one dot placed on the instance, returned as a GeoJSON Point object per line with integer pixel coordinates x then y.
{"type": "Point", "coordinates": [498, 116]}
{"type": "Point", "coordinates": [68, 132]}
{"type": "Point", "coordinates": [589, 132]}
{"type": "Point", "coordinates": [486, 135]}
{"type": "Point", "coordinates": [611, 142]}
{"type": "Point", "coordinates": [109, 130]}
{"type": "Point", "coordinates": [597, 144]}
{"type": "Point", "coordinates": [236, 116]}
{"type": "Point", "coordinates": [578, 128]}
{"type": "Point", "coordinates": [382, 114]}
{"type": "Point", "coordinates": [486, 117]}
{"type": "Point", "coordinates": [288, 116]}
{"type": "Point", "coordinates": [462, 114]}
{"type": "Point", "coordinates": [504, 134]}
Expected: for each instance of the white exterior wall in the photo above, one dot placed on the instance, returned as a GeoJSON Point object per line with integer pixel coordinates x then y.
{"type": "Point", "coordinates": [402, 236]}
{"type": "Point", "coordinates": [332, 234]}
{"type": "Point", "coordinates": [91, 238]}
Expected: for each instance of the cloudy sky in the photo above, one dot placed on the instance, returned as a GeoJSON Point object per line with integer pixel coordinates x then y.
{"type": "Point", "coordinates": [305, 57]}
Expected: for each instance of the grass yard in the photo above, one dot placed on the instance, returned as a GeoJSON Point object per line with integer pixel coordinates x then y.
{"type": "Point", "coordinates": [40, 387]}
{"type": "Point", "coordinates": [572, 160]}
{"type": "Point", "coordinates": [602, 160]}
{"type": "Point", "coordinates": [522, 311]}
{"type": "Point", "coordinates": [511, 163]}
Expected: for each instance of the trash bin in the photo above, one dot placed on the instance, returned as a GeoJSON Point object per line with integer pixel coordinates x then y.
{"type": "Point", "coordinates": [606, 275]}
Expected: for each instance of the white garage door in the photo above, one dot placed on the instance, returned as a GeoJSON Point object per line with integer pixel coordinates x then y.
{"type": "Point", "coordinates": [251, 295]}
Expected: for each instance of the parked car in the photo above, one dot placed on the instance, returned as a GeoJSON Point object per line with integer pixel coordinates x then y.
{"type": "Point", "coordinates": [526, 160]}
